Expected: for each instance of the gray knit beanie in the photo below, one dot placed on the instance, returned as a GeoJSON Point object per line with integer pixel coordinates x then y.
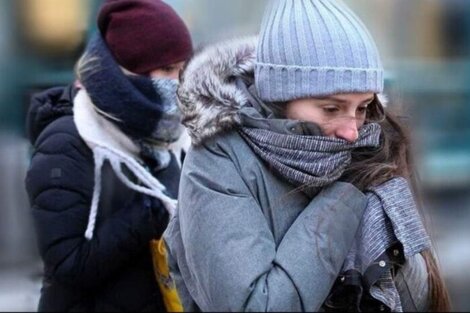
{"type": "Point", "coordinates": [312, 48]}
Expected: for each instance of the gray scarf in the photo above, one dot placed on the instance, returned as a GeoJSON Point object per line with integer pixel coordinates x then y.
{"type": "Point", "coordinates": [168, 128]}
{"type": "Point", "coordinates": [315, 161]}
{"type": "Point", "coordinates": [390, 216]}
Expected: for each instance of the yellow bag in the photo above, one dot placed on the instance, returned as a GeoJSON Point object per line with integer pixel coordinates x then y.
{"type": "Point", "coordinates": [162, 272]}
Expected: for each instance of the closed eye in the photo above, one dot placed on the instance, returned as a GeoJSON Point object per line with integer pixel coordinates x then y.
{"type": "Point", "coordinates": [331, 109]}
{"type": "Point", "coordinates": [168, 68]}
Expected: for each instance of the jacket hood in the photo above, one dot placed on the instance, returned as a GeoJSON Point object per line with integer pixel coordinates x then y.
{"type": "Point", "coordinates": [208, 94]}
{"type": "Point", "coordinates": [46, 107]}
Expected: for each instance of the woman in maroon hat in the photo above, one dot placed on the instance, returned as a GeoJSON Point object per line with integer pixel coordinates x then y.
{"type": "Point", "coordinates": [103, 178]}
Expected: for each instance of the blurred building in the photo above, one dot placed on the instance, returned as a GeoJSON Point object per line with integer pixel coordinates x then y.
{"type": "Point", "coordinates": [39, 42]}
{"type": "Point", "coordinates": [426, 44]}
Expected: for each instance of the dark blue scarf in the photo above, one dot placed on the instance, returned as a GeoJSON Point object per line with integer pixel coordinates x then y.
{"type": "Point", "coordinates": [131, 102]}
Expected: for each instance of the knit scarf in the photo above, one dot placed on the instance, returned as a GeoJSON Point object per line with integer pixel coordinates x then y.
{"type": "Point", "coordinates": [109, 143]}
{"type": "Point", "coordinates": [135, 103]}
{"type": "Point", "coordinates": [390, 216]}
{"type": "Point", "coordinates": [168, 128]}
{"type": "Point", "coordinates": [315, 161]}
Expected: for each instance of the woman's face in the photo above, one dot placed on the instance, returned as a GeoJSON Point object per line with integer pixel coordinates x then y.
{"type": "Point", "coordinates": [171, 71]}
{"type": "Point", "coordinates": [338, 116]}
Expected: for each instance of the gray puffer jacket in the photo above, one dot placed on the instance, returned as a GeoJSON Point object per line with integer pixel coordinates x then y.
{"type": "Point", "coordinates": [243, 239]}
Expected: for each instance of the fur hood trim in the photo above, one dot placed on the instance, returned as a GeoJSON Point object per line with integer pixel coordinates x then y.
{"type": "Point", "coordinates": [208, 96]}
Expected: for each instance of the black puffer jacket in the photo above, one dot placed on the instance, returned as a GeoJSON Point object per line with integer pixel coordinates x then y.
{"type": "Point", "coordinates": [113, 271]}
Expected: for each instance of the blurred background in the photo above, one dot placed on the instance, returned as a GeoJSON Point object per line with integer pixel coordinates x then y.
{"type": "Point", "coordinates": [425, 46]}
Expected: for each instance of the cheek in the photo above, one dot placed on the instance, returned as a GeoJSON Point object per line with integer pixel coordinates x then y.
{"type": "Point", "coordinates": [156, 74]}
{"type": "Point", "coordinates": [328, 128]}
{"type": "Point", "coordinates": [174, 74]}
{"type": "Point", "coordinates": [164, 74]}
{"type": "Point", "coordinates": [360, 121]}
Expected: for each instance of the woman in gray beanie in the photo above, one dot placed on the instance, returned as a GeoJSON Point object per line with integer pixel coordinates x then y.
{"type": "Point", "coordinates": [297, 192]}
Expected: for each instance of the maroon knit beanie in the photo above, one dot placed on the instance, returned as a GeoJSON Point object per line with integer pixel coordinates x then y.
{"type": "Point", "coordinates": [144, 34]}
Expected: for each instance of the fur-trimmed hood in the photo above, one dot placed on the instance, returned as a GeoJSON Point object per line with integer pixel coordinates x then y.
{"type": "Point", "coordinates": [208, 96]}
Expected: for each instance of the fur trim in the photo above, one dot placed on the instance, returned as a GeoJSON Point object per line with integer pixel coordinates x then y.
{"type": "Point", "coordinates": [208, 96]}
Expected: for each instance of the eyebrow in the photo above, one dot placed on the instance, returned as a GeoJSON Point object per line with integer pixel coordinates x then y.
{"type": "Point", "coordinates": [345, 101]}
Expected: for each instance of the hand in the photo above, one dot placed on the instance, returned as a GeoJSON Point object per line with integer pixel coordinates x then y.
{"type": "Point", "coordinates": [148, 217]}
{"type": "Point", "coordinates": [159, 216]}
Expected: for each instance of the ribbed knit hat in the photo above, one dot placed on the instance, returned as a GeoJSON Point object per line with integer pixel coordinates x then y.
{"type": "Point", "coordinates": [312, 48]}
{"type": "Point", "coordinates": [144, 35]}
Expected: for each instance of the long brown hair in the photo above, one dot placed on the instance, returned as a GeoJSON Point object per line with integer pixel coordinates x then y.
{"type": "Point", "coordinates": [394, 158]}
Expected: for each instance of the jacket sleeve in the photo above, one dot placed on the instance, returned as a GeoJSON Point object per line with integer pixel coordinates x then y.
{"type": "Point", "coordinates": [230, 261]}
{"type": "Point", "coordinates": [58, 183]}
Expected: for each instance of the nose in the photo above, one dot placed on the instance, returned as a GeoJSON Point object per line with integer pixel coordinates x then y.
{"type": "Point", "coordinates": [348, 131]}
